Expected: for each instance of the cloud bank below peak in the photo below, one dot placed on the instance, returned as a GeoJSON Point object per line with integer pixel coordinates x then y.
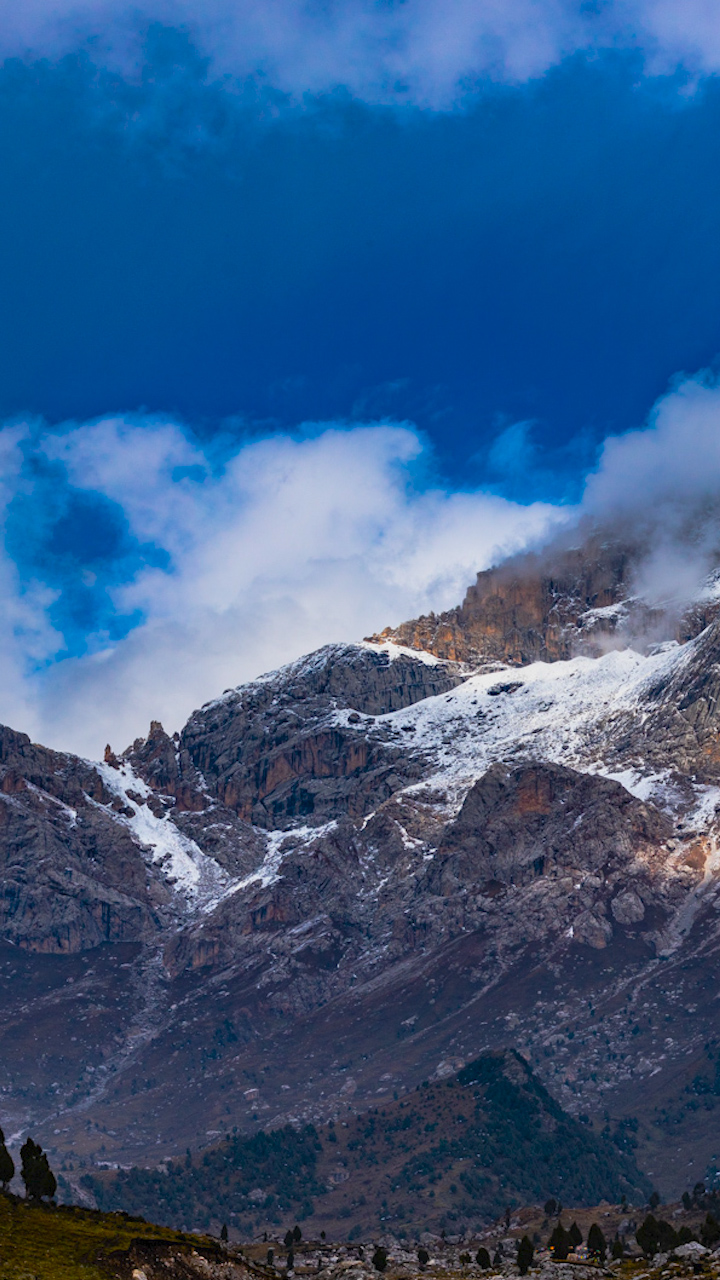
{"type": "Point", "coordinates": [142, 572]}
{"type": "Point", "coordinates": [163, 577]}
{"type": "Point", "coordinates": [430, 53]}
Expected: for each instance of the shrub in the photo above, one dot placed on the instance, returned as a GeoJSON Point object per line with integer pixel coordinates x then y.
{"type": "Point", "coordinates": [710, 1231]}
{"type": "Point", "coordinates": [654, 1236]}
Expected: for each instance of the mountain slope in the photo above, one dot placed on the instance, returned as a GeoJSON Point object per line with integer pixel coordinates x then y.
{"type": "Point", "coordinates": [343, 876]}
{"type": "Point", "coordinates": [453, 1154]}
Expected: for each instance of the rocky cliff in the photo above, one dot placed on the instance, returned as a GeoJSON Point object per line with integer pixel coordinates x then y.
{"type": "Point", "coordinates": [550, 606]}
{"type": "Point", "coordinates": [365, 869]}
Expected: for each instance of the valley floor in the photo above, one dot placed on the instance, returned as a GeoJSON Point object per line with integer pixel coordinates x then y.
{"type": "Point", "coordinates": [41, 1242]}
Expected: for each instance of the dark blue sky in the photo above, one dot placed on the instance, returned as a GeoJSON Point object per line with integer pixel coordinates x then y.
{"type": "Point", "coordinates": [518, 273]}
{"type": "Point", "coordinates": [550, 253]}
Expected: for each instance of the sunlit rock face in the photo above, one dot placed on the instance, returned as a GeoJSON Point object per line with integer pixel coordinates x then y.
{"type": "Point", "coordinates": [371, 862]}
{"type": "Point", "coordinates": [550, 606]}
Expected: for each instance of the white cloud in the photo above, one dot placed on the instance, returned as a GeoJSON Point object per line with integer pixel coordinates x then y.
{"type": "Point", "coordinates": [428, 52]}
{"type": "Point", "coordinates": [664, 482]}
{"type": "Point", "coordinates": [297, 542]}
{"type": "Point", "coordinates": [676, 458]}
{"type": "Point", "coordinates": [302, 540]}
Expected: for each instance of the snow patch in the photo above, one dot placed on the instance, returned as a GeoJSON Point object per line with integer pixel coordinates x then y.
{"type": "Point", "coordinates": [189, 871]}
{"type": "Point", "coordinates": [395, 651]}
{"type": "Point", "coordinates": [279, 845]}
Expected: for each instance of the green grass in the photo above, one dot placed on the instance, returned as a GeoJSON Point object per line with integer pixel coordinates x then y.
{"type": "Point", "coordinates": [45, 1242]}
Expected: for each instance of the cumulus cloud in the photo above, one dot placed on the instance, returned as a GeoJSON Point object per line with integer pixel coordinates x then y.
{"type": "Point", "coordinates": [291, 543]}
{"type": "Point", "coordinates": [427, 52]}
{"type": "Point", "coordinates": [663, 483]}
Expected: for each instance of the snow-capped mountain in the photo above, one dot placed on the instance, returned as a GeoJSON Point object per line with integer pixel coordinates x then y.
{"type": "Point", "coordinates": [364, 869]}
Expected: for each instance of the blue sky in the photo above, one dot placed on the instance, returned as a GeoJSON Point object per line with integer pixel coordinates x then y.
{"type": "Point", "coordinates": [244, 248]}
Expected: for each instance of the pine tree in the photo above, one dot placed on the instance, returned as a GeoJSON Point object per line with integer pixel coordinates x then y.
{"type": "Point", "coordinates": [423, 1257]}
{"type": "Point", "coordinates": [297, 1234]}
{"type": "Point", "coordinates": [525, 1254]}
{"type": "Point", "coordinates": [709, 1231]}
{"type": "Point", "coordinates": [575, 1235]}
{"type": "Point", "coordinates": [482, 1257]}
{"type": "Point", "coordinates": [224, 1233]}
{"type": "Point", "coordinates": [597, 1247]}
{"type": "Point", "coordinates": [380, 1258]}
{"type": "Point", "coordinates": [36, 1172]}
{"type": "Point", "coordinates": [560, 1243]}
{"type": "Point", "coordinates": [288, 1239]}
{"type": "Point", "coordinates": [7, 1167]}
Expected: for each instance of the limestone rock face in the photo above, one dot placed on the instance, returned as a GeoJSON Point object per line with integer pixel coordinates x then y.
{"type": "Point", "coordinates": [540, 820]}
{"type": "Point", "coordinates": [529, 608]}
{"type": "Point", "coordinates": [628, 908]}
{"type": "Point", "coordinates": [548, 607]}
{"type": "Point", "coordinates": [72, 877]}
{"type": "Point", "coordinates": [275, 752]}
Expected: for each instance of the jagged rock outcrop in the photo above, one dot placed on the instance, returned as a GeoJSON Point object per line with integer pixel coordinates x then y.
{"type": "Point", "coordinates": [534, 607]}
{"type": "Point", "coordinates": [274, 753]}
{"type": "Point", "coordinates": [516, 825]}
{"type": "Point", "coordinates": [550, 605]}
{"type": "Point", "coordinates": [72, 877]}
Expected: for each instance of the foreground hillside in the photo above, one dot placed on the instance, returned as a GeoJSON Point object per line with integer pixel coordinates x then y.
{"type": "Point", "coordinates": [451, 1155]}
{"type": "Point", "coordinates": [45, 1242]}
{"type": "Point", "coordinates": [366, 869]}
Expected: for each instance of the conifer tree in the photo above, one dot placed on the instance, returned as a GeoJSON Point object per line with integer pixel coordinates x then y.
{"type": "Point", "coordinates": [575, 1235]}
{"type": "Point", "coordinates": [36, 1172]}
{"type": "Point", "coordinates": [7, 1167]}
{"type": "Point", "coordinates": [525, 1254]}
{"type": "Point", "coordinates": [482, 1257]}
{"type": "Point", "coordinates": [597, 1247]}
{"type": "Point", "coordinates": [560, 1243]}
